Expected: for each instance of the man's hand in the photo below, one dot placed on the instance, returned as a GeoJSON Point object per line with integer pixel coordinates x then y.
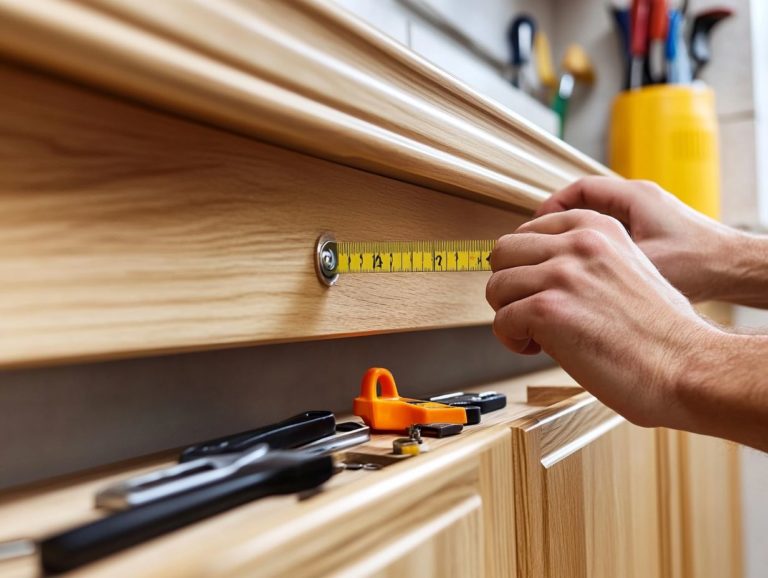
{"type": "Point", "coordinates": [575, 285]}
{"type": "Point", "coordinates": [691, 250]}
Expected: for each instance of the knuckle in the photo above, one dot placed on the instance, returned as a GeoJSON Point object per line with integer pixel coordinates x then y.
{"type": "Point", "coordinates": [611, 225]}
{"type": "Point", "coordinates": [584, 215]}
{"type": "Point", "coordinates": [545, 305]}
{"type": "Point", "coordinates": [588, 242]}
{"type": "Point", "coordinates": [563, 274]}
{"type": "Point", "coordinates": [649, 187]}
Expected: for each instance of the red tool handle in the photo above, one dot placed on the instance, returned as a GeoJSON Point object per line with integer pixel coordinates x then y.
{"type": "Point", "coordinates": [640, 14]}
{"type": "Point", "coordinates": [659, 20]}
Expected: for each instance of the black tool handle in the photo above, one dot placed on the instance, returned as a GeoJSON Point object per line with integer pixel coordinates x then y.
{"type": "Point", "coordinates": [290, 433]}
{"type": "Point", "coordinates": [92, 541]}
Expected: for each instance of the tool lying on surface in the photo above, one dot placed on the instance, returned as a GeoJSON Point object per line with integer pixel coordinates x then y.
{"type": "Point", "coordinates": [290, 433]}
{"type": "Point", "coordinates": [334, 258]}
{"type": "Point", "coordinates": [486, 400]}
{"type": "Point", "coordinates": [195, 474]}
{"type": "Point", "coordinates": [288, 472]}
{"type": "Point", "coordinates": [413, 445]}
{"type": "Point", "coordinates": [439, 430]}
{"type": "Point", "coordinates": [390, 412]}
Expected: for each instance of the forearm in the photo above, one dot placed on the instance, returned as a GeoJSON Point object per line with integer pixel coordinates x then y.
{"type": "Point", "coordinates": [739, 270]}
{"type": "Point", "coordinates": [722, 390]}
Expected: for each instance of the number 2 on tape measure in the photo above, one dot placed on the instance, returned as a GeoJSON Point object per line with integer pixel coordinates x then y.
{"type": "Point", "coordinates": [336, 258]}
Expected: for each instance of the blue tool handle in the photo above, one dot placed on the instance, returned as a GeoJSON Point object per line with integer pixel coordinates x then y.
{"type": "Point", "coordinates": [673, 34]}
{"type": "Point", "coordinates": [291, 433]}
{"type": "Point", "coordinates": [291, 472]}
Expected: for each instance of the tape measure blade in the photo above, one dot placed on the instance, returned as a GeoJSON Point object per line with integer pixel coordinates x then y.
{"type": "Point", "coordinates": [414, 256]}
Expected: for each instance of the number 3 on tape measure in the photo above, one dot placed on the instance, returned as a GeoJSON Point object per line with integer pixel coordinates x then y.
{"type": "Point", "coordinates": [334, 258]}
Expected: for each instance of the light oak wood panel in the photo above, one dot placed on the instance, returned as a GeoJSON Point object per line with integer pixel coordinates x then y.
{"type": "Point", "coordinates": [440, 538]}
{"type": "Point", "coordinates": [550, 394]}
{"type": "Point", "coordinates": [125, 231]}
{"type": "Point", "coordinates": [305, 75]}
{"type": "Point", "coordinates": [700, 490]}
{"type": "Point", "coordinates": [702, 508]}
{"type": "Point", "coordinates": [404, 88]}
{"type": "Point", "coordinates": [587, 501]}
{"type": "Point", "coordinates": [713, 507]}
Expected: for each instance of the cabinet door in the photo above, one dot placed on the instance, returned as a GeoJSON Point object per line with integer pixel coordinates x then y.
{"type": "Point", "coordinates": [587, 494]}
{"type": "Point", "coordinates": [700, 489]}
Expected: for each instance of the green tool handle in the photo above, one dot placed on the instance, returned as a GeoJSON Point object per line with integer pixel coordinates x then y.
{"type": "Point", "coordinates": [560, 106]}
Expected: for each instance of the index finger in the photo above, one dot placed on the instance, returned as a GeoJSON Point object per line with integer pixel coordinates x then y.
{"type": "Point", "coordinates": [607, 195]}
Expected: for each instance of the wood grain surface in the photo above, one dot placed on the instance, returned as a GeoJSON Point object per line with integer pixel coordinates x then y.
{"type": "Point", "coordinates": [125, 231]}
{"type": "Point", "coordinates": [303, 74]}
{"type": "Point", "coordinates": [587, 501]}
{"type": "Point", "coordinates": [550, 394]}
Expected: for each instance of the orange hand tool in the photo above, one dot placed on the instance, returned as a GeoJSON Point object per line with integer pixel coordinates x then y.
{"type": "Point", "coordinates": [390, 412]}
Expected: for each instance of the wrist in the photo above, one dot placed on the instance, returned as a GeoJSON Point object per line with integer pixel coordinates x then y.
{"type": "Point", "coordinates": [696, 378]}
{"type": "Point", "coordinates": [737, 267]}
{"type": "Point", "coordinates": [720, 390]}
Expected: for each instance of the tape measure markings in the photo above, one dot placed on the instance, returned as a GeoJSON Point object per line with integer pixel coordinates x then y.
{"type": "Point", "coordinates": [412, 256]}
{"type": "Point", "coordinates": [334, 258]}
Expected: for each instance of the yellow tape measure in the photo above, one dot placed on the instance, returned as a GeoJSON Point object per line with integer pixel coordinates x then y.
{"type": "Point", "coordinates": [336, 258]}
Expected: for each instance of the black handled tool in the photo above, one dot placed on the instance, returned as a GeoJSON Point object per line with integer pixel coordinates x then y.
{"type": "Point", "coordinates": [485, 400]}
{"type": "Point", "coordinates": [291, 433]}
{"type": "Point", "coordinates": [194, 474]}
{"type": "Point", "coordinates": [439, 430]}
{"type": "Point", "coordinates": [281, 473]}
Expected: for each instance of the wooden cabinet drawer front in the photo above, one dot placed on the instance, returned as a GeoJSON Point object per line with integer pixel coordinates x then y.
{"type": "Point", "coordinates": [124, 231]}
{"type": "Point", "coordinates": [440, 538]}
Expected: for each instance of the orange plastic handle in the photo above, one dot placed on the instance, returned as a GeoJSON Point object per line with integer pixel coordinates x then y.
{"type": "Point", "coordinates": [375, 376]}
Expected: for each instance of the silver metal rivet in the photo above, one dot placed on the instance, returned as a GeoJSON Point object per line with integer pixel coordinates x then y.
{"type": "Point", "coordinates": [326, 259]}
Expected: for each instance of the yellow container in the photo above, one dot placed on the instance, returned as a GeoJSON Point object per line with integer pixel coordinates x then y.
{"type": "Point", "coordinates": [668, 134]}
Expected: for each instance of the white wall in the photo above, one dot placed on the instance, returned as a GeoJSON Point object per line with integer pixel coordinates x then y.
{"type": "Point", "coordinates": [485, 24]}
{"type": "Point", "coordinates": [760, 75]}
{"type": "Point", "coordinates": [754, 477]}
